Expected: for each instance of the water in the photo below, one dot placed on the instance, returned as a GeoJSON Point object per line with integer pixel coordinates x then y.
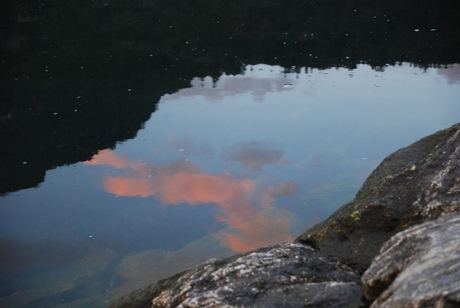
{"type": "Point", "coordinates": [221, 167]}
{"type": "Point", "coordinates": [151, 150]}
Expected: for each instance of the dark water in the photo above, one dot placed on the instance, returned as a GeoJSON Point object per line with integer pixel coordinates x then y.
{"type": "Point", "coordinates": [139, 138]}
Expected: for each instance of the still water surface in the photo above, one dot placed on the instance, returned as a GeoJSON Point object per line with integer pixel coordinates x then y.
{"type": "Point", "coordinates": [221, 167]}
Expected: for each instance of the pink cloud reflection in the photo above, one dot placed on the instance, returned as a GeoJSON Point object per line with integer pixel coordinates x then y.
{"type": "Point", "coordinates": [183, 182]}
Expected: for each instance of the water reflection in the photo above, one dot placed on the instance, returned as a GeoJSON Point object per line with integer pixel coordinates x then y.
{"type": "Point", "coordinates": [452, 74]}
{"type": "Point", "coordinates": [236, 155]}
{"type": "Point", "coordinates": [254, 155]}
{"type": "Point", "coordinates": [226, 165]}
{"type": "Point", "coordinates": [259, 80]}
{"type": "Point", "coordinates": [182, 181]}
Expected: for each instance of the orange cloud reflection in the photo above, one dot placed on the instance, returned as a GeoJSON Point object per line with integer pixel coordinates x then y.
{"type": "Point", "coordinates": [182, 181]}
{"type": "Point", "coordinates": [107, 157]}
{"type": "Point", "coordinates": [258, 230]}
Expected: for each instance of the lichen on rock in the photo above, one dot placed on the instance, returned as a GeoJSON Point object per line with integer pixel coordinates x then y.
{"type": "Point", "coordinates": [414, 184]}
{"type": "Point", "coordinates": [418, 267]}
{"type": "Point", "coordinates": [283, 275]}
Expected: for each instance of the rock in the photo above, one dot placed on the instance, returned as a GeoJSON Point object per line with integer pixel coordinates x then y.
{"type": "Point", "coordinates": [282, 275]}
{"type": "Point", "coordinates": [415, 184]}
{"type": "Point", "coordinates": [418, 267]}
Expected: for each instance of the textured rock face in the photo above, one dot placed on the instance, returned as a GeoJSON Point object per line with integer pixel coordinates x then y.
{"type": "Point", "coordinates": [419, 267]}
{"type": "Point", "coordinates": [415, 184]}
{"type": "Point", "coordinates": [283, 275]}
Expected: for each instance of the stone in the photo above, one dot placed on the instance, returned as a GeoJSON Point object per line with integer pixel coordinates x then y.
{"type": "Point", "coordinates": [283, 275]}
{"type": "Point", "coordinates": [418, 267]}
{"type": "Point", "coordinates": [414, 184]}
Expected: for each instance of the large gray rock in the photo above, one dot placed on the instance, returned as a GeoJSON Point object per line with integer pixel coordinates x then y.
{"type": "Point", "coordinates": [419, 267]}
{"type": "Point", "coordinates": [415, 184]}
{"type": "Point", "coordinates": [282, 275]}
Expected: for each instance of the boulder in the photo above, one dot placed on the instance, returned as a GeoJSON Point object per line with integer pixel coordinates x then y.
{"type": "Point", "coordinates": [283, 275]}
{"type": "Point", "coordinates": [415, 184]}
{"type": "Point", "coordinates": [418, 267]}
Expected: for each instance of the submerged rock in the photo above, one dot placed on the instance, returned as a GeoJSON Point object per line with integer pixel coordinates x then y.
{"type": "Point", "coordinates": [419, 267]}
{"type": "Point", "coordinates": [415, 184]}
{"type": "Point", "coordinates": [141, 269]}
{"type": "Point", "coordinates": [282, 275]}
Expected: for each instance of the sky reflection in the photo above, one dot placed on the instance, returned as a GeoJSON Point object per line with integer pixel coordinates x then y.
{"type": "Point", "coordinates": [231, 165]}
{"type": "Point", "coordinates": [244, 142]}
{"type": "Point", "coordinates": [452, 74]}
{"type": "Point", "coordinates": [182, 181]}
{"type": "Point", "coordinates": [258, 81]}
{"type": "Point", "coordinates": [254, 155]}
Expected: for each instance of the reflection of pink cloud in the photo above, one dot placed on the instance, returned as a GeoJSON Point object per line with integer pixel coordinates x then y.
{"type": "Point", "coordinates": [183, 182]}
{"type": "Point", "coordinates": [107, 157]}
{"type": "Point", "coordinates": [254, 155]}
{"type": "Point", "coordinates": [127, 187]}
{"type": "Point", "coordinates": [263, 228]}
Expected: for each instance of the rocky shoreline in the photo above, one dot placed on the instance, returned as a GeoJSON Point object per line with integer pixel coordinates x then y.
{"type": "Point", "coordinates": [396, 244]}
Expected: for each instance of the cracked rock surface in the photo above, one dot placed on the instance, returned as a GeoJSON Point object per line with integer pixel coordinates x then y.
{"type": "Point", "coordinates": [419, 267]}
{"type": "Point", "coordinates": [283, 275]}
{"type": "Point", "coordinates": [414, 184]}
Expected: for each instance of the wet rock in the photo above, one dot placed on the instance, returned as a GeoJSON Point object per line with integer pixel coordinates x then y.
{"type": "Point", "coordinates": [415, 184]}
{"type": "Point", "coordinates": [418, 267]}
{"type": "Point", "coordinates": [282, 275]}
